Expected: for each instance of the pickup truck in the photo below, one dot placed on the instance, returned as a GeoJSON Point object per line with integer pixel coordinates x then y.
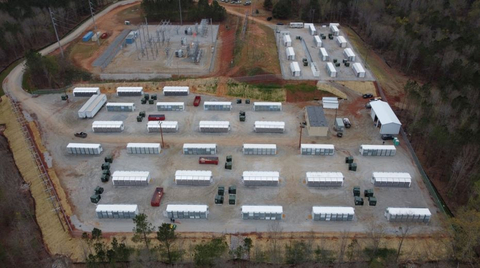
{"type": "Point", "coordinates": [197, 101]}
{"type": "Point", "coordinates": [157, 197]}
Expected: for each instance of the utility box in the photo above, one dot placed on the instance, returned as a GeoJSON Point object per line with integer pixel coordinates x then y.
{"type": "Point", "coordinates": [368, 193]}
{"type": "Point", "coordinates": [349, 159]}
{"type": "Point", "coordinates": [356, 191]}
{"type": "Point", "coordinates": [228, 165]}
{"type": "Point", "coordinates": [109, 159]}
{"type": "Point", "coordinates": [151, 101]}
{"type": "Point", "coordinates": [231, 199]}
{"type": "Point", "coordinates": [229, 158]}
{"type": "Point", "coordinates": [139, 119]}
{"type": "Point", "coordinates": [142, 113]}
{"type": "Point", "coordinates": [358, 201]}
{"type": "Point", "coordinates": [247, 101]}
{"type": "Point", "coordinates": [105, 178]}
{"type": "Point", "coordinates": [372, 201]}
{"type": "Point", "coordinates": [95, 198]}
{"type": "Point", "coordinates": [221, 190]}
{"type": "Point", "coordinates": [106, 171]}
{"type": "Point", "coordinates": [99, 190]}
{"type": "Point", "coordinates": [232, 189]}
{"type": "Point", "coordinates": [219, 199]}
{"type": "Point", "coordinates": [105, 166]}
{"type": "Point", "coordinates": [154, 97]}
{"type": "Point", "coordinates": [352, 166]}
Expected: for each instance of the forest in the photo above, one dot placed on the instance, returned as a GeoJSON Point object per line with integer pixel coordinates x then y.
{"type": "Point", "coordinates": [191, 11]}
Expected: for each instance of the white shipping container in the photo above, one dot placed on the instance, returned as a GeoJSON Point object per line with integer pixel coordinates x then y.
{"type": "Point", "coordinates": [290, 53]}
{"type": "Point", "coordinates": [167, 126]}
{"type": "Point", "coordinates": [176, 91]}
{"type": "Point", "coordinates": [325, 179]}
{"type": "Point", "coordinates": [391, 179]}
{"type": "Point", "coordinates": [170, 106]}
{"type": "Point", "coordinates": [317, 41]}
{"type": "Point", "coordinates": [193, 177]}
{"type": "Point", "coordinates": [334, 30]}
{"type": "Point", "coordinates": [84, 148]}
{"type": "Point", "coordinates": [269, 127]}
{"type": "Point", "coordinates": [85, 91]}
{"type": "Point", "coordinates": [131, 178]}
{"type": "Point", "coordinates": [262, 212]}
{"type": "Point", "coordinates": [323, 54]}
{"type": "Point", "coordinates": [261, 178]}
{"type": "Point", "coordinates": [107, 126]}
{"type": "Point", "coordinates": [348, 52]}
{"type": "Point", "coordinates": [267, 106]}
{"type": "Point", "coordinates": [317, 149]}
{"type": "Point", "coordinates": [143, 148]}
{"type": "Point", "coordinates": [129, 91]}
{"type": "Point", "coordinates": [287, 41]}
{"type": "Point", "coordinates": [259, 149]}
{"type": "Point", "coordinates": [116, 211]}
{"type": "Point", "coordinates": [331, 71]}
{"type": "Point", "coordinates": [92, 106]}
{"type": "Point", "coordinates": [295, 69]}
{"type": "Point", "coordinates": [358, 70]}
{"type": "Point", "coordinates": [214, 126]}
{"type": "Point", "coordinates": [408, 214]}
{"type": "Point", "coordinates": [120, 106]}
{"type": "Point", "coordinates": [217, 105]}
{"type": "Point", "coordinates": [186, 211]}
{"type": "Point", "coordinates": [296, 24]}
{"type": "Point", "coordinates": [321, 213]}
{"type": "Point", "coordinates": [330, 102]}
{"type": "Point", "coordinates": [314, 68]}
{"type": "Point", "coordinates": [341, 41]}
{"type": "Point", "coordinates": [199, 148]}
{"type": "Point", "coordinates": [312, 29]}
{"type": "Point", "coordinates": [377, 150]}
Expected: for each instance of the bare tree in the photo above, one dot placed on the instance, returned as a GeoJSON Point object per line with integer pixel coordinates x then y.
{"type": "Point", "coordinates": [404, 230]}
{"type": "Point", "coordinates": [275, 231]}
{"type": "Point", "coordinates": [375, 232]}
{"type": "Point", "coordinates": [462, 168]}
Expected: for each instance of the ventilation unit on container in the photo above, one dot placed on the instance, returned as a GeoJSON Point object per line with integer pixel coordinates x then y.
{"type": "Point", "coordinates": [325, 179]}
{"type": "Point", "coordinates": [317, 149]}
{"type": "Point", "coordinates": [217, 106]}
{"type": "Point", "coordinates": [267, 106]}
{"type": "Point", "coordinates": [259, 149]}
{"type": "Point", "coordinates": [170, 106]}
{"type": "Point", "coordinates": [199, 148]}
{"type": "Point", "coordinates": [261, 178]}
{"type": "Point", "coordinates": [391, 179]}
{"type": "Point", "coordinates": [186, 211]}
{"type": "Point", "coordinates": [86, 91]}
{"type": "Point", "coordinates": [408, 214]}
{"type": "Point", "coordinates": [120, 106]}
{"type": "Point", "coordinates": [176, 91]}
{"type": "Point", "coordinates": [262, 212]}
{"type": "Point", "coordinates": [131, 178]}
{"type": "Point", "coordinates": [377, 150]}
{"type": "Point", "coordinates": [167, 126]}
{"type": "Point", "coordinates": [143, 148]}
{"type": "Point", "coordinates": [84, 148]}
{"type": "Point", "coordinates": [193, 177]}
{"type": "Point", "coordinates": [107, 126]}
{"type": "Point", "coordinates": [116, 211]}
{"type": "Point", "coordinates": [214, 126]}
{"type": "Point", "coordinates": [333, 213]}
{"type": "Point", "coordinates": [92, 106]}
{"type": "Point", "coordinates": [269, 127]}
{"type": "Point", "coordinates": [129, 91]}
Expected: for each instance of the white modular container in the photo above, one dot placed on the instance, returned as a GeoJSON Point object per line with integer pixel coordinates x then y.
{"type": "Point", "coordinates": [92, 106]}
{"type": "Point", "coordinates": [290, 53]}
{"type": "Point", "coordinates": [295, 69]}
{"type": "Point", "coordinates": [166, 126]}
{"type": "Point", "coordinates": [287, 41]}
{"type": "Point", "coordinates": [199, 148]}
{"type": "Point", "coordinates": [317, 149]}
{"type": "Point", "coordinates": [317, 41]}
{"type": "Point", "coordinates": [391, 179]}
{"type": "Point", "coordinates": [377, 150]}
{"type": "Point", "coordinates": [282, 33]}
{"type": "Point", "coordinates": [120, 106]}
{"type": "Point", "coordinates": [324, 54]}
{"type": "Point", "coordinates": [267, 106]}
{"type": "Point", "coordinates": [262, 212]}
{"type": "Point", "coordinates": [336, 24]}
{"type": "Point", "coordinates": [358, 70]}
{"type": "Point", "coordinates": [86, 91]}
{"type": "Point", "coordinates": [325, 179]}
{"type": "Point", "coordinates": [331, 71]}
{"type": "Point", "coordinates": [315, 70]}
{"type": "Point", "coordinates": [143, 148]}
{"type": "Point", "coordinates": [214, 126]}
{"type": "Point", "coordinates": [349, 55]}
{"type": "Point", "coordinates": [217, 105]}
{"type": "Point", "coordinates": [408, 214]}
{"type": "Point", "coordinates": [116, 211]}
{"type": "Point", "coordinates": [269, 127]}
{"type": "Point", "coordinates": [334, 30]}
{"type": "Point", "coordinates": [107, 126]}
{"type": "Point", "coordinates": [193, 177]}
{"type": "Point", "coordinates": [129, 91]}
{"type": "Point", "coordinates": [296, 24]}
{"type": "Point", "coordinates": [131, 178]}
{"type": "Point", "coordinates": [321, 213]}
{"type": "Point", "coordinates": [259, 149]}
{"type": "Point", "coordinates": [341, 41]}
{"type": "Point", "coordinates": [84, 148]}
{"type": "Point", "coordinates": [186, 211]}
{"type": "Point", "coordinates": [170, 106]}
{"type": "Point", "coordinates": [176, 91]}
{"type": "Point", "coordinates": [261, 178]}
{"type": "Point", "coordinates": [312, 29]}
{"type": "Point", "coordinates": [330, 102]}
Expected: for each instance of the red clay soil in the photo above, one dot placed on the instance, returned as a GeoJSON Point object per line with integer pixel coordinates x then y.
{"type": "Point", "coordinates": [226, 50]}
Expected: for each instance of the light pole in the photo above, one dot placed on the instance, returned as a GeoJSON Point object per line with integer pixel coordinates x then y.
{"type": "Point", "coordinates": [161, 134]}
{"type": "Point", "coordinates": [302, 126]}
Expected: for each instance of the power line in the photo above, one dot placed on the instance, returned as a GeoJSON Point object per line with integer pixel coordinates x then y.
{"type": "Point", "coordinates": [94, 24]}
{"type": "Point", "coordinates": [56, 33]}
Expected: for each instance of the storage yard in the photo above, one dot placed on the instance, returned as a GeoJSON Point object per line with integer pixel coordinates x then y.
{"type": "Point", "coordinates": [258, 156]}
{"type": "Point", "coordinates": [305, 55]}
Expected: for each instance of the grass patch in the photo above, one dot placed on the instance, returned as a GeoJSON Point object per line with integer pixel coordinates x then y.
{"type": "Point", "coordinates": [301, 87]}
{"type": "Point", "coordinates": [82, 50]}
{"type": "Point", "coordinates": [5, 73]}
{"type": "Point", "coordinates": [258, 92]}
{"type": "Point", "coordinates": [237, 50]}
{"type": "Point", "coordinates": [26, 85]}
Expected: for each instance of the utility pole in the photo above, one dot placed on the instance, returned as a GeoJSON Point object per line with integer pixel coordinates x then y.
{"type": "Point", "coordinates": [180, 7]}
{"type": "Point", "coordinates": [302, 126]}
{"type": "Point", "coordinates": [211, 29]}
{"type": "Point", "coordinates": [56, 33]}
{"type": "Point", "coordinates": [94, 24]}
{"type": "Point", "coordinates": [161, 133]}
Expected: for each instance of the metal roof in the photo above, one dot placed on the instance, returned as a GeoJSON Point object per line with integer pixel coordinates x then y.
{"type": "Point", "coordinates": [92, 102]}
{"type": "Point", "coordinates": [144, 145]}
{"type": "Point", "coordinates": [187, 208]}
{"type": "Point", "coordinates": [316, 116]}
{"type": "Point", "coordinates": [84, 145]}
{"type": "Point", "coordinates": [262, 209]}
{"type": "Point", "coordinates": [120, 104]}
{"type": "Point", "coordinates": [408, 211]}
{"type": "Point", "coordinates": [317, 146]}
{"type": "Point", "coordinates": [200, 145]}
{"type": "Point", "coordinates": [171, 103]}
{"type": "Point", "coordinates": [261, 146]}
{"type": "Point", "coordinates": [377, 147]}
{"type": "Point", "coordinates": [333, 210]}
{"type": "Point", "coordinates": [384, 112]}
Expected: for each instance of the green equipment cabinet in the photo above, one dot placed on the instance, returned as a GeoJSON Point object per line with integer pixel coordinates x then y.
{"type": "Point", "coordinates": [105, 178]}
{"type": "Point", "coordinates": [228, 165]}
{"type": "Point", "coordinates": [143, 101]}
{"type": "Point", "coordinates": [358, 201]}
{"type": "Point", "coordinates": [142, 113]}
{"type": "Point", "coordinates": [105, 165]}
{"type": "Point", "coordinates": [349, 159]}
{"type": "Point", "coordinates": [221, 190]}
{"type": "Point", "coordinates": [229, 158]}
{"type": "Point", "coordinates": [232, 189]}
{"type": "Point", "coordinates": [242, 116]}
{"type": "Point", "coordinates": [356, 191]}
{"type": "Point", "coordinates": [352, 166]}
{"type": "Point", "coordinates": [247, 101]}
{"type": "Point", "coordinates": [99, 190]}
{"type": "Point", "coordinates": [146, 96]}
{"type": "Point", "coordinates": [109, 159]}
{"type": "Point", "coordinates": [64, 97]}
{"type": "Point", "coordinates": [150, 101]}
{"type": "Point", "coordinates": [154, 97]}
{"type": "Point", "coordinates": [372, 201]}
{"type": "Point", "coordinates": [231, 199]}
{"type": "Point", "coordinates": [106, 172]}
{"type": "Point", "coordinates": [139, 119]}
{"type": "Point", "coordinates": [368, 193]}
{"type": "Point", "coordinates": [95, 198]}
{"type": "Point", "coordinates": [239, 101]}
{"type": "Point", "coordinates": [219, 199]}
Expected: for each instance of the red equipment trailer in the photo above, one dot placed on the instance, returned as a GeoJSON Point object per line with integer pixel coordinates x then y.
{"type": "Point", "coordinates": [157, 197]}
{"type": "Point", "coordinates": [213, 160]}
{"type": "Point", "coordinates": [156, 117]}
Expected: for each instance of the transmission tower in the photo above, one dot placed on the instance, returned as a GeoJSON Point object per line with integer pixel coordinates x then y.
{"type": "Point", "coordinates": [94, 24]}
{"type": "Point", "coordinates": [56, 33]}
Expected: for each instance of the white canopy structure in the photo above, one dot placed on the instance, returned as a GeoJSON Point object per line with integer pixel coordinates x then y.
{"type": "Point", "coordinates": [384, 117]}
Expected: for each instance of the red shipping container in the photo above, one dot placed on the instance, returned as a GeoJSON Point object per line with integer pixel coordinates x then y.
{"type": "Point", "coordinates": [157, 197]}
{"type": "Point", "coordinates": [208, 160]}
{"type": "Point", "coordinates": [197, 101]}
{"type": "Point", "coordinates": [156, 117]}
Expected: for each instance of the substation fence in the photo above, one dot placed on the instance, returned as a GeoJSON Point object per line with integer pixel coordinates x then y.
{"type": "Point", "coordinates": [104, 60]}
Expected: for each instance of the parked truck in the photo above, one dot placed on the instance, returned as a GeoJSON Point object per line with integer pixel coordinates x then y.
{"type": "Point", "coordinates": [157, 197]}
{"type": "Point", "coordinates": [339, 126]}
{"type": "Point", "coordinates": [197, 101]}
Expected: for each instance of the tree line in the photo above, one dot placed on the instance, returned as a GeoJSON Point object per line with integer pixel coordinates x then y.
{"type": "Point", "coordinates": [192, 11]}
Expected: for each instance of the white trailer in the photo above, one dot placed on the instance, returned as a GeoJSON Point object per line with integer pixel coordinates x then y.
{"type": "Point", "coordinates": [377, 150]}
{"type": "Point", "coordinates": [116, 211]}
{"type": "Point", "coordinates": [287, 41]}
{"type": "Point", "coordinates": [260, 106]}
{"type": "Point", "coordinates": [259, 149]}
{"type": "Point", "coordinates": [131, 178]}
{"type": "Point", "coordinates": [199, 148]}
{"type": "Point", "coordinates": [186, 211]}
{"type": "Point", "coordinates": [170, 106]}
{"type": "Point", "coordinates": [349, 55]}
{"type": "Point", "coordinates": [107, 126]}
{"type": "Point", "coordinates": [391, 179]}
{"type": "Point", "coordinates": [333, 213]}
{"type": "Point", "coordinates": [295, 69]}
{"type": "Point", "coordinates": [217, 105]}
{"type": "Point", "coordinates": [312, 29]}
{"type": "Point", "coordinates": [193, 177]}
{"type": "Point", "coordinates": [214, 126]}
{"type": "Point", "coordinates": [92, 106]}
{"type": "Point", "coordinates": [336, 24]}
{"type": "Point", "coordinates": [269, 127]}
{"type": "Point", "coordinates": [317, 149]}
{"type": "Point", "coordinates": [324, 54]}
{"type": "Point", "coordinates": [262, 212]}
{"type": "Point", "coordinates": [408, 214]}
{"type": "Point", "coordinates": [334, 30]}
{"type": "Point", "coordinates": [296, 24]}
{"type": "Point", "coordinates": [166, 126]}
{"type": "Point", "coordinates": [341, 41]}
{"type": "Point", "coordinates": [143, 148]}
{"type": "Point", "coordinates": [120, 106]}
{"type": "Point", "coordinates": [358, 70]}
{"type": "Point", "coordinates": [86, 91]}
{"type": "Point", "coordinates": [261, 178]}
{"type": "Point", "coordinates": [129, 91]}
{"type": "Point", "coordinates": [317, 41]}
{"type": "Point", "coordinates": [315, 70]}
{"type": "Point", "coordinates": [290, 53]}
{"type": "Point", "coordinates": [84, 148]}
{"type": "Point", "coordinates": [331, 71]}
{"type": "Point", "coordinates": [176, 91]}
{"type": "Point", "coordinates": [325, 179]}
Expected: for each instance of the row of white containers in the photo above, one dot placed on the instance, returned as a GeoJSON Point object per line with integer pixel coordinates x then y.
{"type": "Point", "coordinates": [319, 213]}
{"type": "Point", "coordinates": [357, 69]}
{"type": "Point", "coordinates": [131, 91]}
